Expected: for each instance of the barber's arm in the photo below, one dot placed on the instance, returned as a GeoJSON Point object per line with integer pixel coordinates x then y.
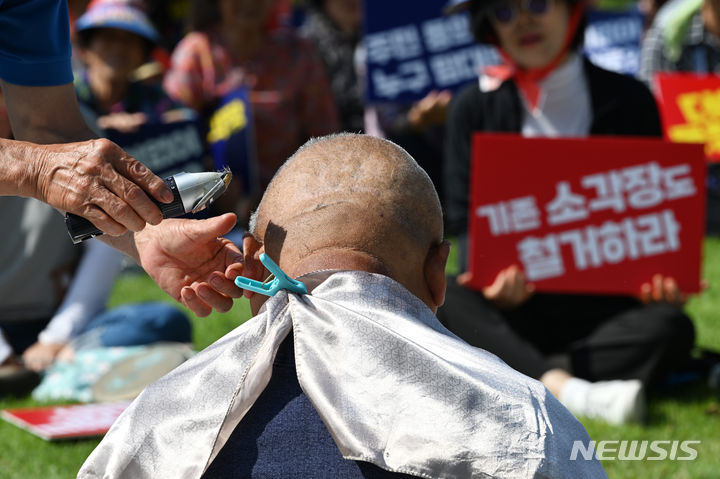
{"type": "Point", "coordinates": [93, 178]}
{"type": "Point", "coordinates": [96, 179]}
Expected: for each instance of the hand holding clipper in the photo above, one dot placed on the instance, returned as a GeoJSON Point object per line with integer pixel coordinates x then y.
{"type": "Point", "coordinates": [192, 192]}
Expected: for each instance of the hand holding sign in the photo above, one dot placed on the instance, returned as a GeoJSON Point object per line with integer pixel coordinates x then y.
{"type": "Point", "coordinates": [596, 215]}
{"type": "Point", "coordinates": [431, 110]}
{"type": "Point", "coordinates": [662, 289]}
{"type": "Point", "coordinates": [509, 290]}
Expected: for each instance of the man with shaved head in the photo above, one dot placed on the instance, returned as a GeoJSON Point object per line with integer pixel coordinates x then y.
{"type": "Point", "coordinates": [353, 200]}
{"type": "Point", "coordinates": [357, 378]}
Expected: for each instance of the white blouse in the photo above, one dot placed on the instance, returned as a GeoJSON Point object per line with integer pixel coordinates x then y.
{"type": "Point", "coordinates": [564, 108]}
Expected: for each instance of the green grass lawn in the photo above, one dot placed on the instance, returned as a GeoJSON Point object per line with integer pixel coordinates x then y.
{"type": "Point", "coordinates": [24, 456]}
{"type": "Point", "coordinates": [691, 414]}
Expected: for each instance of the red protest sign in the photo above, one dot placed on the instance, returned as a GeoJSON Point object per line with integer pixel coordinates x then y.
{"type": "Point", "coordinates": [63, 422]}
{"type": "Point", "coordinates": [690, 109]}
{"type": "Point", "coordinates": [597, 215]}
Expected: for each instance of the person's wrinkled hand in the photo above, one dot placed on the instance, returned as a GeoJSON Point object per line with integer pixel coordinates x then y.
{"type": "Point", "coordinates": [185, 256]}
{"type": "Point", "coordinates": [509, 290]}
{"type": "Point", "coordinates": [662, 289]}
{"type": "Point", "coordinates": [40, 356]}
{"type": "Point", "coordinates": [97, 180]}
{"type": "Point", "coordinates": [431, 110]}
{"type": "Point", "coordinates": [122, 121]}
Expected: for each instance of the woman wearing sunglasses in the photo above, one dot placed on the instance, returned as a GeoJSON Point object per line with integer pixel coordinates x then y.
{"type": "Point", "coordinates": [595, 353]}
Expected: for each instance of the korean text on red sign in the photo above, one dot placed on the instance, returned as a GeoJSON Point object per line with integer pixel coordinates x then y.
{"type": "Point", "coordinates": [690, 109]}
{"type": "Point", "coordinates": [600, 215]}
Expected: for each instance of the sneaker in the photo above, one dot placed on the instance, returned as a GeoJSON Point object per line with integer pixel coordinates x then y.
{"type": "Point", "coordinates": [616, 402]}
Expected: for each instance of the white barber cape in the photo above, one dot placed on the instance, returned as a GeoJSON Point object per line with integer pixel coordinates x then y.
{"type": "Point", "coordinates": [392, 385]}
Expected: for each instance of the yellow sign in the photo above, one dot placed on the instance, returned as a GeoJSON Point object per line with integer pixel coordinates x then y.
{"type": "Point", "coordinates": [227, 120]}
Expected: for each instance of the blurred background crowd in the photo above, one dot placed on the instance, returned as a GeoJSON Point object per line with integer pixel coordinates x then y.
{"type": "Point", "coordinates": [191, 85]}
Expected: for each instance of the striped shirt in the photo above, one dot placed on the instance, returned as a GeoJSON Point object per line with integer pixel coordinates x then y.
{"type": "Point", "coordinates": [699, 51]}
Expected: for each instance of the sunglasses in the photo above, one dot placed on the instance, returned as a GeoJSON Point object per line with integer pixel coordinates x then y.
{"type": "Point", "coordinates": [506, 12]}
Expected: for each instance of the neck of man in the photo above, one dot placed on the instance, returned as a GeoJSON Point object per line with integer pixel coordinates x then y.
{"type": "Point", "coordinates": [329, 259]}
{"type": "Point", "coordinates": [338, 259]}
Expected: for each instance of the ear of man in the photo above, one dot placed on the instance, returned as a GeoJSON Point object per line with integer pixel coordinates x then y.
{"type": "Point", "coordinates": [252, 267]}
{"type": "Point", "coordinates": [434, 273]}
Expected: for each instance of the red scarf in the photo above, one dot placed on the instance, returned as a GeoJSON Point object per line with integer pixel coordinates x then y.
{"type": "Point", "coordinates": [528, 80]}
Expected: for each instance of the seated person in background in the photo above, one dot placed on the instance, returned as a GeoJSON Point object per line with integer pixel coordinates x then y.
{"type": "Point", "coordinates": [234, 47]}
{"type": "Point", "coordinates": [83, 310]}
{"type": "Point", "coordinates": [114, 40]}
{"type": "Point", "coordinates": [67, 168]}
{"type": "Point", "coordinates": [357, 377]}
{"type": "Point", "coordinates": [335, 28]}
{"type": "Point", "coordinates": [51, 295]}
{"type": "Point", "coordinates": [684, 37]}
{"type": "Point", "coordinates": [595, 353]}
{"type": "Point", "coordinates": [35, 278]}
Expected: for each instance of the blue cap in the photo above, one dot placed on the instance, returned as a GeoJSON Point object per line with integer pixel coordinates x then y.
{"type": "Point", "coordinates": [118, 15]}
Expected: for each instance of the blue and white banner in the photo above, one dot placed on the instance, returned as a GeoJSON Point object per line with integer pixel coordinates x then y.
{"type": "Point", "coordinates": [613, 39]}
{"type": "Point", "coordinates": [412, 48]}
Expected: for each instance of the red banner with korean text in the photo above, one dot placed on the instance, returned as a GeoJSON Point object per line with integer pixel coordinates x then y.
{"type": "Point", "coordinates": [690, 109]}
{"type": "Point", "coordinates": [599, 215]}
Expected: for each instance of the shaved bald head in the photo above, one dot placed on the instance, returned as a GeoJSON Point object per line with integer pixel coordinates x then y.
{"type": "Point", "coordinates": [350, 192]}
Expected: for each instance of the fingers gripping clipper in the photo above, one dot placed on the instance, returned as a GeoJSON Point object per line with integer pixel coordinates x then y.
{"type": "Point", "coordinates": [192, 192]}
